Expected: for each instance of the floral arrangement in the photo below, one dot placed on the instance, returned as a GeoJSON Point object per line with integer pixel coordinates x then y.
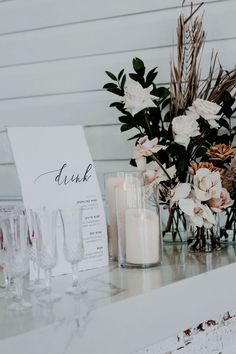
{"type": "Point", "coordinates": [184, 133]}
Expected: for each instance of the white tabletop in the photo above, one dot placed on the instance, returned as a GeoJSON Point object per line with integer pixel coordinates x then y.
{"type": "Point", "coordinates": [125, 309]}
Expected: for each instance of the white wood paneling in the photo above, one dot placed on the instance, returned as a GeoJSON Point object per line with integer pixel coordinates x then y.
{"type": "Point", "coordinates": [92, 38]}
{"type": "Point", "coordinates": [24, 15]}
{"type": "Point", "coordinates": [85, 74]}
{"type": "Point", "coordinates": [53, 54]}
{"type": "Point", "coordinates": [84, 108]}
{"type": "Point", "coordinates": [105, 143]}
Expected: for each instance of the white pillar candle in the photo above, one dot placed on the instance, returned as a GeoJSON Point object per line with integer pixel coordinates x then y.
{"type": "Point", "coordinates": [125, 198]}
{"type": "Point", "coordinates": [142, 237]}
{"type": "Point", "coordinates": [111, 184]}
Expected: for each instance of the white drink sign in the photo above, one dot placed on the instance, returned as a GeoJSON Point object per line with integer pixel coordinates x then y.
{"type": "Point", "coordinates": [56, 170]}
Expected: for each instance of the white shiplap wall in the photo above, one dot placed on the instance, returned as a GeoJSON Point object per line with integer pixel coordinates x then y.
{"type": "Point", "coordinates": [53, 54]}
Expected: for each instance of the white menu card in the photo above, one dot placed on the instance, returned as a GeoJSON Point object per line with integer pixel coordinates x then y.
{"type": "Point", "coordinates": [56, 170]}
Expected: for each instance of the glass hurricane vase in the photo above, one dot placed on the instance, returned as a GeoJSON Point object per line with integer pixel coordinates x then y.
{"type": "Point", "coordinates": [174, 224]}
{"type": "Point", "coordinates": [228, 225]}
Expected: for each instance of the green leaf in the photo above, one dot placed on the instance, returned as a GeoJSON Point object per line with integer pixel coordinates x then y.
{"type": "Point", "coordinates": [138, 66]}
{"type": "Point", "coordinates": [125, 127]}
{"type": "Point", "coordinates": [116, 91]}
{"type": "Point", "coordinates": [228, 99]}
{"type": "Point", "coordinates": [133, 163]}
{"type": "Point", "coordinates": [224, 123]}
{"type": "Point", "coordinates": [124, 119]}
{"type": "Point", "coordinates": [122, 84]}
{"type": "Point", "coordinates": [151, 77]}
{"type": "Point", "coordinates": [227, 110]}
{"type": "Point", "coordinates": [120, 74]}
{"type": "Point", "coordinates": [136, 136]}
{"type": "Point", "coordinates": [115, 104]}
{"type": "Point", "coordinates": [201, 151]}
{"type": "Point", "coordinates": [110, 85]}
{"type": "Point", "coordinates": [162, 92]}
{"type": "Point", "coordinates": [180, 165]}
{"type": "Point", "coordinates": [134, 77]}
{"type": "Point", "coordinates": [112, 76]}
{"type": "Point", "coordinates": [165, 103]}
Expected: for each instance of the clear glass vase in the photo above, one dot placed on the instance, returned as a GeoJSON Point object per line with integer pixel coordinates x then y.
{"type": "Point", "coordinates": [120, 180]}
{"type": "Point", "coordinates": [139, 233]}
{"type": "Point", "coordinates": [204, 239]}
{"type": "Point", "coordinates": [174, 224]}
{"type": "Point", "coordinates": [228, 226]}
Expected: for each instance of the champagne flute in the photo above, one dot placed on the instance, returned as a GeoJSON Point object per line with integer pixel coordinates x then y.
{"type": "Point", "coordinates": [15, 231]}
{"type": "Point", "coordinates": [73, 246]}
{"type": "Point", "coordinates": [45, 227]}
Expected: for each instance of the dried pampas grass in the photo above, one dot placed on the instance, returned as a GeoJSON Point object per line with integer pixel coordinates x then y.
{"type": "Point", "coordinates": [186, 82]}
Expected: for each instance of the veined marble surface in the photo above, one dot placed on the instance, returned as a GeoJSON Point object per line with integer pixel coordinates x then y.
{"type": "Point", "coordinates": [125, 309]}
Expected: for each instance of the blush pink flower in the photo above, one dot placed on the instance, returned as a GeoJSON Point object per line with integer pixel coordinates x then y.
{"type": "Point", "coordinates": [157, 175]}
{"type": "Point", "coordinates": [144, 148]}
{"type": "Point", "coordinates": [221, 203]}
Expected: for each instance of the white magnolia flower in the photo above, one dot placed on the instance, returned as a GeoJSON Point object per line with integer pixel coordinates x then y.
{"type": "Point", "coordinates": [183, 128]}
{"type": "Point", "coordinates": [207, 184]}
{"type": "Point", "coordinates": [198, 213]}
{"type": "Point", "coordinates": [207, 110]}
{"type": "Point", "coordinates": [181, 191]}
{"type": "Point", "coordinates": [145, 147]}
{"type": "Point", "coordinates": [137, 98]}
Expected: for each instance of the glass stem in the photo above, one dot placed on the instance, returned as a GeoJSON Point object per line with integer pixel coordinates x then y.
{"type": "Point", "coordinates": [19, 288]}
{"type": "Point", "coordinates": [48, 280]}
{"type": "Point", "coordinates": [6, 280]}
{"type": "Point", "coordinates": [75, 274]}
{"type": "Point", "coordinates": [37, 280]}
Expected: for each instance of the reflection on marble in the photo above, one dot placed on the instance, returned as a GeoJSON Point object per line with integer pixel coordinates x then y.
{"type": "Point", "coordinates": [100, 290]}
{"type": "Point", "coordinates": [70, 318]}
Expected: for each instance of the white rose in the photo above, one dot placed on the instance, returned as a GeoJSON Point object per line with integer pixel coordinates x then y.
{"type": "Point", "coordinates": [207, 184]}
{"type": "Point", "coordinates": [137, 98]}
{"type": "Point", "coordinates": [183, 128]}
{"type": "Point", "coordinates": [207, 110]}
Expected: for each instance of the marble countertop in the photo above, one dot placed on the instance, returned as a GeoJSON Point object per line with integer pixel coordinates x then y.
{"type": "Point", "coordinates": [124, 309]}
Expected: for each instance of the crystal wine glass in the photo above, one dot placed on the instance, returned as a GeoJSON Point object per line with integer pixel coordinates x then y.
{"type": "Point", "coordinates": [35, 284]}
{"type": "Point", "coordinates": [15, 234]}
{"type": "Point", "coordinates": [45, 227]}
{"type": "Point", "coordinates": [73, 242]}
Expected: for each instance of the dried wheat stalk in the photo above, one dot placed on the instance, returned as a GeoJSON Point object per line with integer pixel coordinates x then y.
{"type": "Point", "coordinates": [186, 85]}
{"type": "Point", "coordinates": [185, 73]}
{"type": "Point", "coordinates": [217, 81]}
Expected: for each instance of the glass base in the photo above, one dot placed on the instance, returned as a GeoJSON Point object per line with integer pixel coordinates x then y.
{"type": "Point", "coordinates": [174, 237]}
{"type": "Point", "coordinates": [49, 298]}
{"type": "Point", "coordinates": [35, 287]}
{"type": "Point", "coordinates": [77, 290]}
{"type": "Point", "coordinates": [197, 246]}
{"type": "Point", "coordinates": [20, 306]}
{"type": "Point", "coordinates": [139, 265]}
{"type": "Point", "coordinates": [113, 258]}
{"type": "Point", "coordinates": [227, 236]}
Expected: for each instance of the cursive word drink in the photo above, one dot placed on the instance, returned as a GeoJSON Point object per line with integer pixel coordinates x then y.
{"type": "Point", "coordinates": [62, 178]}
